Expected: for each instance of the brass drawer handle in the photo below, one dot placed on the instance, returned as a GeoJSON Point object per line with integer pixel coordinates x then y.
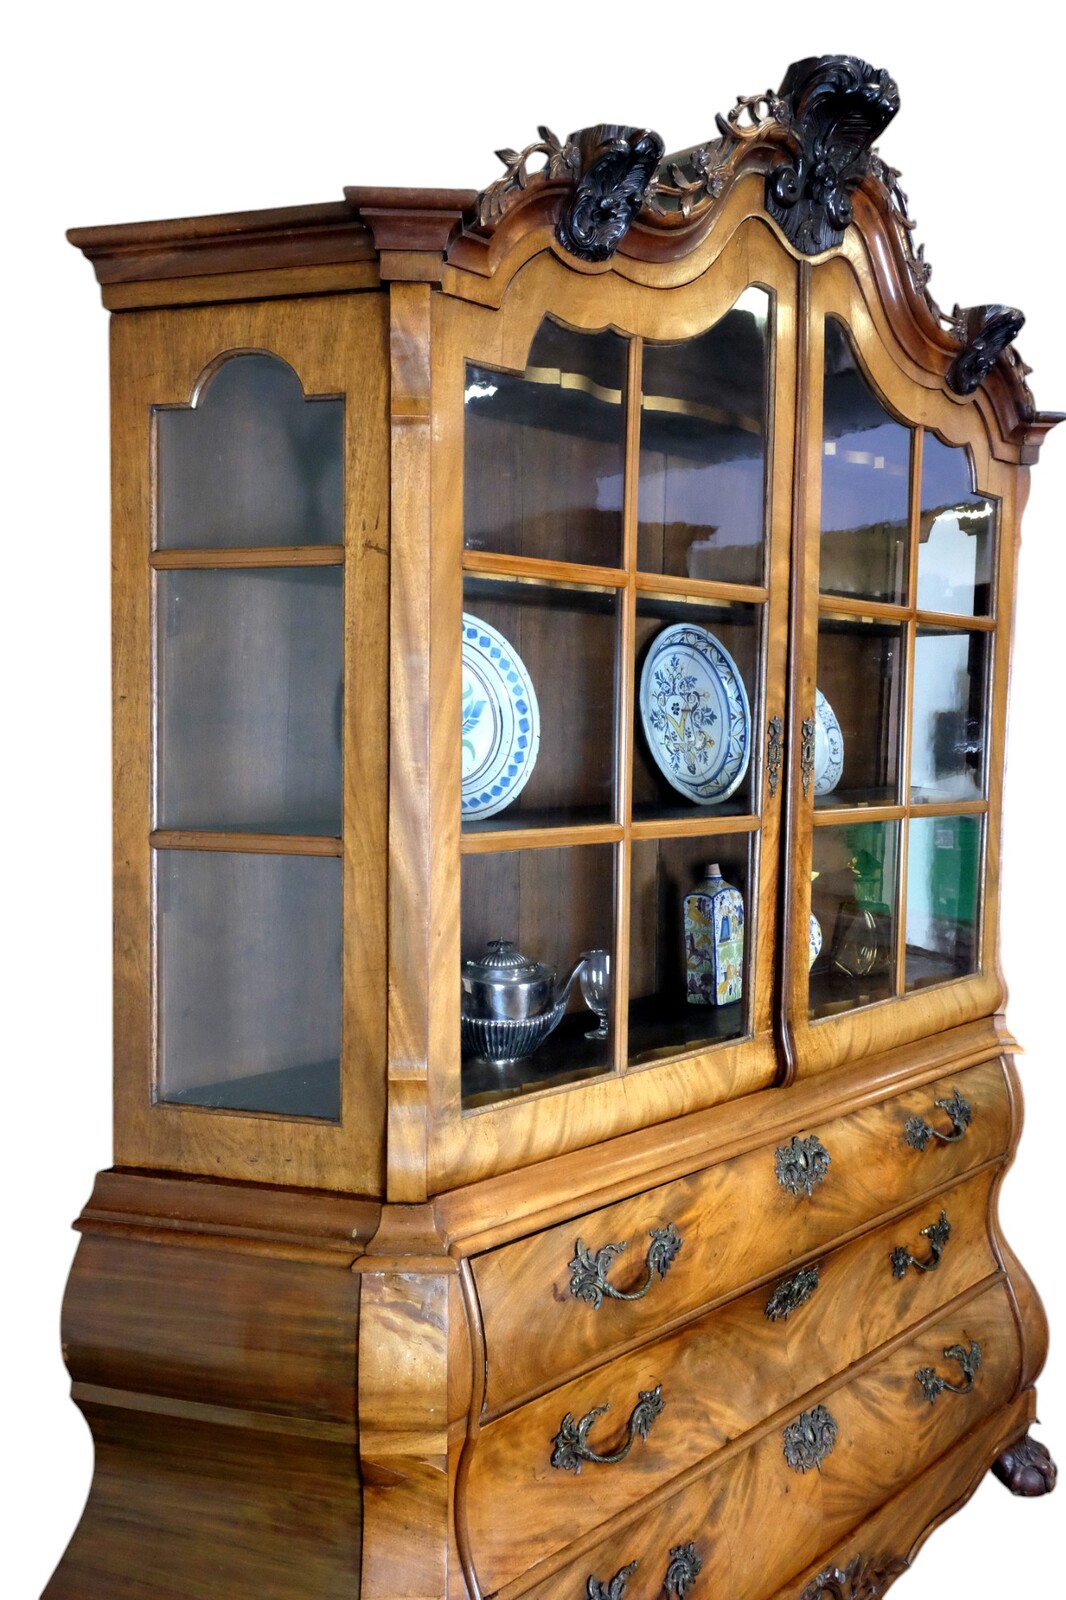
{"type": "Point", "coordinates": [682, 1571]}
{"type": "Point", "coordinates": [774, 730]}
{"type": "Point", "coordinates": [810, 1439]}
{"type": "Point", "coordinates": [918, 1132]}
{"type": "Point", "coordinates": [571, 1447]}
{"type": "Point", "coordinates": [932, 1384]}
{"type": "Point", "coordinates": [807, 755]}
{"type": "Point", "coordinates": [588, 1270]}
{"type": "Point", "coordinates": [938, 1233]}
{"type": "Point", "coordinates": [793, 1293]}
{"type": "Point", "coordinates": [801, 1165]}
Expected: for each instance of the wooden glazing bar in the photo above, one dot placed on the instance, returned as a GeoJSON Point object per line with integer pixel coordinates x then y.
{"type": "Point", "coordinates": [488, 843]}
{"type": "Point", "coordinates": [864, 610]}
{"type": "Point", "coordinates": [625, 707]}
{"type": "Point", "coordinates": [532, 569]}
{"type": "Point", "coordinates": [260, 844]}
{"type": "Point", "coordinates": [299, 555]}
{"type": "Point", "coordinates": [911, 593]}
{"type": "Point", "coordinates": [945, 619]}
{"type": "Point", "coordinates": [697, 589]}
{"type": "Point", "coordinates": [838, 816]}
{"type": "Point", "coordinates": [948, 808]}
{"type": "Point", "coordinates": [695, 827]}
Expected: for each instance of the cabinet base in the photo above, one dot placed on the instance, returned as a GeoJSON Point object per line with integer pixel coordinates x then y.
{"type": "Point", "coordinates": [1026, 1468]}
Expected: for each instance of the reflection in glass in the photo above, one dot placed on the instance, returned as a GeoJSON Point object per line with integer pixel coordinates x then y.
{"type": "Point", "coordinates": [253, 462]}
{"type": "Point", "coordinates": [854, 899]}
{"type": "Point", "coordinates": [250, 981]}
{"type": "Point", "coordinates": [250, 669]}
{"type": "Point", "coordinates": [544, 450]}
{"type": "Point", "coordinates": [958, 530]}
{"type": "Point", "coordinates": [943, 898]}
{"type": "Point", "coordinates": [948, 730]}
{"type": "Point", "coordinates": [553, 905]}
{"type": "Point", "coordinates": [860, 673]}
{"type": "Point", "coordinates": [663, 872]}
{"type": "Point", "coordinates": [567, 640]}
{"type": "Point", "coordinates": [703, 449]}
{"type": "Point", "coordinates": [865, 482]}
{"type": "Point", "coordinates": [735, 629]}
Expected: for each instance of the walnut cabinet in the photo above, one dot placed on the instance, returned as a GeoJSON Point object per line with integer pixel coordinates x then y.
{"type": "Point", "coordinates": [665, 481]}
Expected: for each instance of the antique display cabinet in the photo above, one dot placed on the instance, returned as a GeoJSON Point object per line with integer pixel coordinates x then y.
{"type": "Point", "coordinates": [561, 653]}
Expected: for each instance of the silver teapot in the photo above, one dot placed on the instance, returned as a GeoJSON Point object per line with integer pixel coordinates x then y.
{"type": "Point", "coordinates": [510, 1004]}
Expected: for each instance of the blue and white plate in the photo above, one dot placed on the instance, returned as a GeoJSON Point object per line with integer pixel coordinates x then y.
{"type": "Point", "coordinates": [695, 713]}
{"type": "Point", "coordinates": [501, 720]}
{"type": "Point", "coordinates": [828, 746]}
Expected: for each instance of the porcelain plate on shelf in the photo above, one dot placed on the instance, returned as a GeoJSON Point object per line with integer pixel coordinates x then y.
{"type": "Point", "coordinates": [828, 746]}
{"type": "Point", "coordinates": [501, 720]}
{"type": "Point", "coordinates": [695, 713]}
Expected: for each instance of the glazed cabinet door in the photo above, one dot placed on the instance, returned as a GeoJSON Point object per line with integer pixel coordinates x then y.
{"type": "Point", "coordinates": [898, 721]}
{"type": "Point", "coordinates": [611, 494]}
{"type": "Point", "coordinates": [250, 694]}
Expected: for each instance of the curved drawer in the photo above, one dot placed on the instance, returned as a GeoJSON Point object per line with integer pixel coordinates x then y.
{"type": "Point", "coordinates": [884, 1433]}
{"type": "Point", "coordinates": [736, 1223]}
{"type": "Point", "coordinates": [717, 1377]}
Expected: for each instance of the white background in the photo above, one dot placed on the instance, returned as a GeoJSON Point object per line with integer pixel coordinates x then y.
{"type": "Point", "coordinates": [119, 112]}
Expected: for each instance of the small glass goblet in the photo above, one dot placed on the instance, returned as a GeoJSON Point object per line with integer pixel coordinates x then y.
{"type": "Point", "coordinates": [596, 988]}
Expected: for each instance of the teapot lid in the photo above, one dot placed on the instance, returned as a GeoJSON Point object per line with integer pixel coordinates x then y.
{"type": "Point", "coordinates": [503, 959]}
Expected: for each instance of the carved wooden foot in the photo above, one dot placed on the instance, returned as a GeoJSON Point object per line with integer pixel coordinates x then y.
{"type": "Point", "coordinates": [1026, 1468]}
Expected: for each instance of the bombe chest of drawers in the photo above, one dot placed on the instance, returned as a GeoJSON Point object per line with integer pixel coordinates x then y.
{"type": "Point", "coordinates": [561, 658]}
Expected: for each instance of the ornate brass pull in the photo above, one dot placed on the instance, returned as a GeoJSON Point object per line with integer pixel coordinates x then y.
{"type": "Point", "coordinates": [792, 1293]}
{"type": "Point", "coordinates": [918, 1132]}
{"type": "Point", "coordinates": [807, 755]}
{"type": "Point", "coordinates": [682, 1571]}
{"type": "Point", "coordinates": [932, 1384]}
{"type": "Point", "coordinates": [588, 1270]}
{"type": "Point", "coordinates": [571, 1447]}
{"type": "Point", "coordinates": [775, 728]}
{"type": "Point", "coordinates": [801, 1165]}
{"type": "Point", "coordinates": [810, 1439]}
{"type": "Point", "coordinates": [938, 1233]}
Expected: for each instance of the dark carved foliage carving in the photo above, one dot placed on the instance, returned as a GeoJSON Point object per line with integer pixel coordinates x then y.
{"type": "Point", "coordinates": [833, 108]}
{"type": "Point", "coordinates": [985, 332]}
{"type": "Point", "coordinates": [809, 1439]}
{"type": "Point", "coordinates": [860, 1580]}
{"type": "Point", "coordinates": [617, 167]}
{"type": "Point", "coordinates": [557, 161]}
{"type": "Point", "coordinates": [792, 1294]}
{"type": "Point", "coordinates": [1026, 1468]}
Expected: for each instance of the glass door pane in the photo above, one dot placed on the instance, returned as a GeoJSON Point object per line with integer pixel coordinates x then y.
{"type": "Point", "coordinates": [899, 742]}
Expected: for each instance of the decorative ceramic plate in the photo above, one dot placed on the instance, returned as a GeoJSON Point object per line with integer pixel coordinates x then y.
{"type": "Point", "coordinates": [501, 720]}
{"type": "Point", "coordinates": [828, 746]}
{"type": "Point", "coordinates": [695, 713]}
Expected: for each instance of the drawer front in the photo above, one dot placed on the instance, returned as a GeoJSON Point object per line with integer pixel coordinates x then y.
{"type": "Point", "coordinates": [735, 1222]}
{"type": "Point", "coordinates": [873, 1435]}
{"type": "Point", "coordinates": [715, 1379]}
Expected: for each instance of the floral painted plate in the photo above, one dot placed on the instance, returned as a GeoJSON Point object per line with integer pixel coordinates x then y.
{"type": "Point", "coordinates": [828, 746]}
{"type": "Point", "coordinates": [501, 720]}
{"type": "Point", "coordinates": [695, 713]}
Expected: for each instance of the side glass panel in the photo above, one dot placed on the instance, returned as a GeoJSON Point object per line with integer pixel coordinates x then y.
{"type": "Point", "coordinates": [703, 450]}
{"type": "Point", "coordinates": [250, 667]}
{"type": "Point", "coordinates": [544, 451]}
{"type": "Point", "coordinates": [248, 739]}
{"type": "Point", "coordinates": [951, 678]}
{"type": "Point", "coordinates": [253, 462]}
{"type": "Point", "coordinates": [250, 981]}
{"type": "Point", "coordinates": [865, 482]}
{"type": "Point", "coordinates": [853, 916]}
{"type": "Point", "coordinates": [859, 711]}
